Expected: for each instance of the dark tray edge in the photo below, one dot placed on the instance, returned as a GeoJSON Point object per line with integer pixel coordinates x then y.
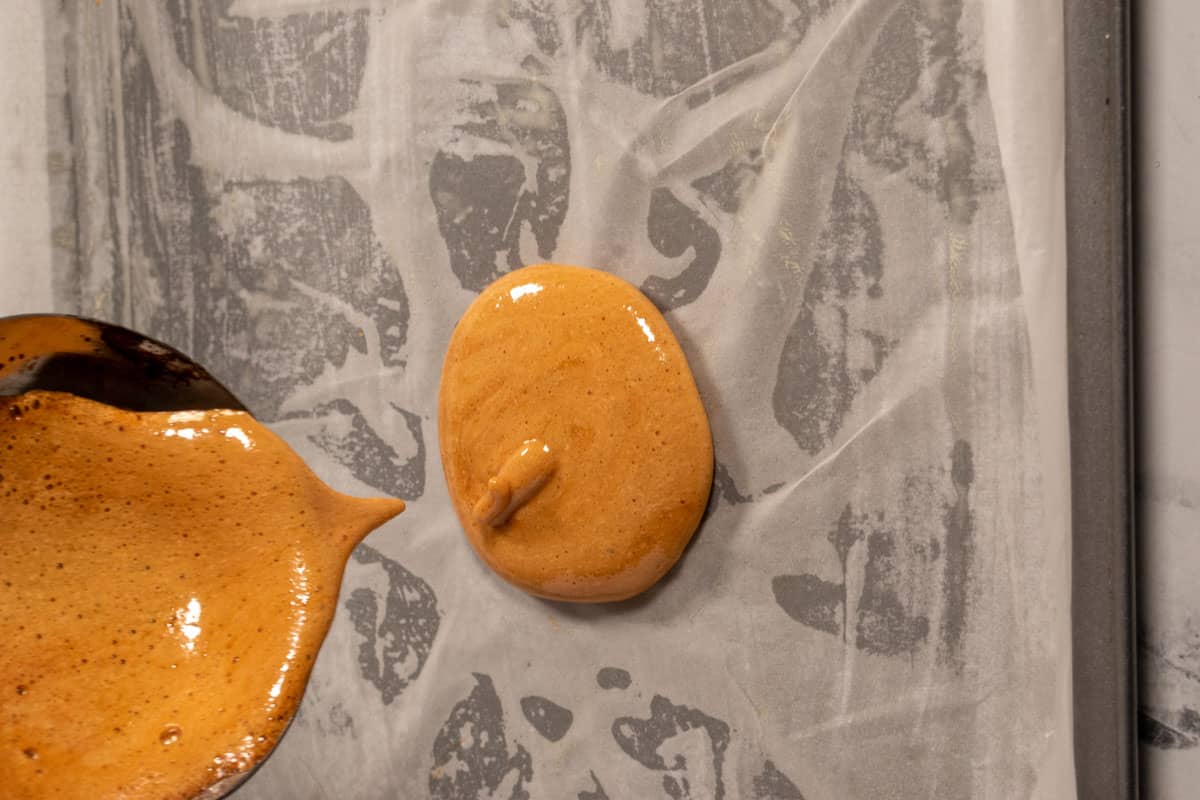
{"type": "Point", "coordinates": [1100, 364]}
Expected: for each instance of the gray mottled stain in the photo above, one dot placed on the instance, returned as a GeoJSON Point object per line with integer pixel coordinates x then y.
{"type": "Point", "coordinates": [1168, 489]}
{"type": "Point", "coordinates": [471, 754]}
{"type": "Point", "coordinates": [595, 793]}
{"type": "Point", "coordinates": [641, 740]}
{"type": "Point", "coordinates": [771, 784]}
{"type": "Point", "coordinates": [476, 199]}
{"type": "Point", "coordinates": [849, 531]}
{"type": "Point", "coordinates": [956, 178]}
{"type": "Point", "coordinates": [884, 625]}
{"type": "Point", "coordinates": [613, 678]}
{"type": "Point", "coordinates": [817, 381]}
{"type": "Point", "coordinates": [484, 202]}
{"type": "Point", "coordinates": [894, 115]}
{"type": "Point", "coordinates": [907, 569]}
{"type": "Point", "coordinates": [846, 532]}
{"type": "Point", "coordinates": [318, 719]}
{"type": "Point", "coordinates": [1167, 715]}
{"type": "Point", "coordinates": [895, 111]}
{"type": "Point", "coordinates": [729, 186]}
{"type": "Point", "coordinates": [818, 603]}
{"type": "Point", "coordinates": [959, 549]}
{"type": "Point", "coordinates": [674, 229]}
{"type": "Point", "coordinates": [337, 722]}
{"type": "Point", "coordinates": [167, 205]}
{"type": "Point", "coordinates": [808, 599]}
{"type": "Point", "coordinates": [300, 72]}
{"type": "Point", "coordinates": [724, 490]}
{"type": "Point", "coordinates": [809, 11]}
{"type": "Point", "coordinates": [1179, 730]}
{"type": "Point", "coordinates": [539, 15]}
{"type": "Point", "coordinates": [291, 256]}
{"type": "Point", "coordinates": [247, 276]}
{"type": "Point", "coordinates": [548, 718]}
{"type": "Point", "coordinates": [252, 278]}
{"type": "Point", "coordinates": [364, 452]}
{"type": "Point", "coordinates": [682, 42]}
{"type": "Point", "coordinates": [892, 76]}
{"type": "Point", "coordinates": [397, 639]}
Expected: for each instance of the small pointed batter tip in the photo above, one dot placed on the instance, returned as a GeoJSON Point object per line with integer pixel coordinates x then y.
{"type": "Point", "coordinates": [523, 475]}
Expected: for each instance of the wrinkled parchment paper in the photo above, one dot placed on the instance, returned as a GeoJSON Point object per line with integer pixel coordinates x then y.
{"type": "Point", "coordinates": [850, 213]}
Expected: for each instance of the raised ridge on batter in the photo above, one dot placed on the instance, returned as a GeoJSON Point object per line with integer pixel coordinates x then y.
{"type": "Point", "coordinates": [574, 442]}
{"type": "Point", "coordinates": [167, 580]}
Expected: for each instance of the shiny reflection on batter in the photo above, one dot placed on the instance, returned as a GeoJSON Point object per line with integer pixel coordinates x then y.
{"type": "Point", "coordinates": [525, 289]}
{"type": "Point", "coordinates": [190, 628]}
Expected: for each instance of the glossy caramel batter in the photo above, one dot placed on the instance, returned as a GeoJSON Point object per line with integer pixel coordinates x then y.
{"type": "Point", "coordinates": [22, 336]}
{"type": "Point", "coordinates": [575, 446]}
{"type": "Point", "coordinates": [167, 579]}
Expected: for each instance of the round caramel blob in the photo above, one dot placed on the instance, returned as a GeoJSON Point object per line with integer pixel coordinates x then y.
{"type": "Point", "coordinates": [575, 445]}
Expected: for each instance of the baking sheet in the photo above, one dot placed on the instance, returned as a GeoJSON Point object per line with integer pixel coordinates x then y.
{"type": "Point", "coordinates": [851, 213]}
{"type": "Point", "coordinates": [1099, 200]}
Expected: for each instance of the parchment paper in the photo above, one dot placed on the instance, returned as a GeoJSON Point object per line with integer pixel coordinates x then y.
{"type": "Point", "coordinates": [851, 214]}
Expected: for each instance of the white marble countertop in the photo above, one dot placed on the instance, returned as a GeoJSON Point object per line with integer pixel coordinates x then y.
{"type": "Point", "coordinates": [1167, 270]}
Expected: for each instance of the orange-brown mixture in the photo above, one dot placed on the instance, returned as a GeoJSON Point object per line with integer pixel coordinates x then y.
{"type": "Point", "coordinates": [575, 446]}
{"type": "Point", "coordinates": [166, 580]}
{"type": "Point", "coordinates": [29, 335]}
